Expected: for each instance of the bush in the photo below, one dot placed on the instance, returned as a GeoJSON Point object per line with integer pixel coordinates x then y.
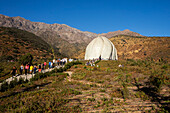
{"type": "Point", "coordinates": [16, 51]}
{"type": "Point", "coordinates": [97, 62]}
{"type": "Point", "coordinates": [4, 86]}
{"type": "Point", "coordinates": [13, 83]}
{"type": "Point", "coordinates": [21, 80]}
{"type": "Point", "coordinates": [164, 67]}
{"type": "Point", "coordinates": [157, 82]}
{"type": "Point", "coordinates": [60, 69]}
{"type": "Point", "coordinates": [125, 91]}
{"type": "Point", "coordinates": [26, 59]}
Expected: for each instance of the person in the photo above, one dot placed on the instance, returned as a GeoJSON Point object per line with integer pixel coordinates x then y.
{"type": "Point", "coordinates": [120, 65]}
{"type": "Point", "coordinates": [35, 69]}
{"type": "Point", "coordinates": [42, 67]}
{"type": "Point", "coordinates": [45, 64]}
{"type": "Point", "coordinates": [64, 61]}
{"type": "Point", "coordinates": [100, 57]}
{"type": "Point", "coordinates": [39, 68]}
{"type": "Point", "coordinates": [58, 62]}
{"type": "Point", "coordinates": [53, 60]}
{"type": "Point", "coordinates": [21, 68]}
{"type": "Point", "coordinates": [53, 63]}
{"type": "Point", "coordinates": [14, 71]}
{"type": "Point", "coordinates": [26, 69]}
{"type": "Point", "coordinates": [31, 69]}
{"type": "Point", "coordinates": [61, 62]}
{"type": "Point", "coordinates": [49, 65]}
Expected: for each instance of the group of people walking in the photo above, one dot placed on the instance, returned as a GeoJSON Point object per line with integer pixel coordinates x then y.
{"type": "Point", "coordinates": [32, 69]}
{"type": "Point", "coordinates": [91, 62]}
{"type": "Point", "coordinates": [25, 69]}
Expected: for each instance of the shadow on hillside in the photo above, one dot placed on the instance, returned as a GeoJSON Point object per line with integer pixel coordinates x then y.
{"type": "Point", "coordinates": [155, 96]}
{"type": "Point", "coordinates": [25, 89]}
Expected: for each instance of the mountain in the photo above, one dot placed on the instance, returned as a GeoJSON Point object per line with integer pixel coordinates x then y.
{"type": "Point", "coordinates": [67, 33]}
{"type": "Point", "coordinates": [70, 41]}
{"type": "Point", "coordinates": [125, 32]}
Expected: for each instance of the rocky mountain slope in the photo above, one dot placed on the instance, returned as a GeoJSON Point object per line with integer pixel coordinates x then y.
{"type": "Point", "coordinates": [125, 32]}
{"type": "Point", "coordinates": [67, 33]}
{"type": "Point", "coordinates": [70, 41]}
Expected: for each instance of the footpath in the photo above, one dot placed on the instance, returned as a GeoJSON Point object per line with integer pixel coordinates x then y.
{"type": "Point", "coordinates": [28, 76]}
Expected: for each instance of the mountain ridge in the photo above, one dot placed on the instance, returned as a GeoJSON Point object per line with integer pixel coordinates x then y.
{"type": "Point", "coordinates": [69, 40]}
{"type": "Point", "coordinates": [90, 34]}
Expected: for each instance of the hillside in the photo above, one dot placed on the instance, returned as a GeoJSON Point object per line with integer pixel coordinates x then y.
{"type": "Point", "coordinates": [14, 43]}
{"type": "Point", "coordinates": [142, 48]}
{"type": "Point", "coordinates": [131, 47]}
{"type": "Point", "coordinates": [137, 87]}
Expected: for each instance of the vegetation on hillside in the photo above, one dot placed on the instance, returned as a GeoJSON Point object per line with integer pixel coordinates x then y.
{"type": "Point", "coordinates": [137, 86]}
{"type": "Point", "coordinates": [129, 47]}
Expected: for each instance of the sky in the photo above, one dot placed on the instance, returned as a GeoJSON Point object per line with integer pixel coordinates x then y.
{"type": "Point", "coordinates": [147, 17]}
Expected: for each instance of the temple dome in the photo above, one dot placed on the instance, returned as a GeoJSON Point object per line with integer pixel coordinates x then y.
{"type": "Point", "coordinates": [101, 46]}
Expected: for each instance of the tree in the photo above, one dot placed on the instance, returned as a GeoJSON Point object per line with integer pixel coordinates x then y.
{"type": "Point", "coordinates": [26, 59]}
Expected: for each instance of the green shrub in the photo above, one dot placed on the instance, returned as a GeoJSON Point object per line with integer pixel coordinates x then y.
{"type": "Point", "coordinates": [13, 83]}
{"type": "Point", "coordinates": [102, 90]}
{"type": "Point", "coordinates": [97, 62]}
{"type": "Point", "coordinates": [16, 51]}
{"type": "Point", "coordinates": [26, 59]}
{"type": "Point", "coordinates": [91, 99]}
{"type": "Point", "coordinates": [125, 91]}
{"type": "Point", "coordinates": [4, 86]}
{"type": "Point", "coordinates": [157, 82]}
{"type": "Point", "coordinates": [164, 67]}
{"type": "Point", "coordinates": [78, 76]}
{"type": "Point", "coordinates": [21, 80]}
{"type": "Point", "coordinates": [60, 69]}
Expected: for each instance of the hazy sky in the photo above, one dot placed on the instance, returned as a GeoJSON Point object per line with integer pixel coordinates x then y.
{"type": "Point", "coordinates": [147, 17]}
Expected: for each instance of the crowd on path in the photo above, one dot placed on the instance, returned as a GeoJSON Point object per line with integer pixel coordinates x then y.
{"type": "Point", "coordinates": [92, 62]}
{"type": "Point", "coordinates": [32, 69]}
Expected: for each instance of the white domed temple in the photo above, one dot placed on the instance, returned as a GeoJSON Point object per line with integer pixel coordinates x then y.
{"type": "Point", "coordinates": [101, 46]}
